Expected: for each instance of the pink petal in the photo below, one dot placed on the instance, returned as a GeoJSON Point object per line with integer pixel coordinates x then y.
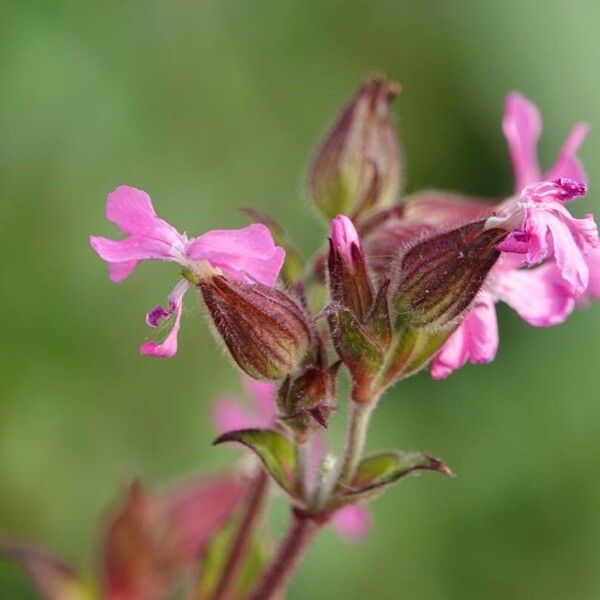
{"type": "Point", "coordinates": [343, 235]}
{"type": "Point", "coordinates": [475, 340]}
{"type": "Point", "coordinates": [262, 394]}
{"type": "Point", "coordinates": [121, 271]}
{"type": "Point", "coordinates": [568, 163]}
{"type": "Point", "coordinates": [197, 510]}
{"type": "Point", "coordinates": [555, 231]}
{"type": "Point", "coordinates": [132, 211]}
{"type": "Point", "coordinates": [229, 415]}
{"type": "Point", "coordinates": [247, 254]}
{"type": "Point", "coordinates": [522, 126]}
{"type": "Point", "coordinates": [352, 523]}
{"type": "Point", "coordinates": [543, 228]}
{"type": "Point", "coordinates": [150, 237]}
{"type": "Point", "coordinates": [593, 261]}
{"type": "Point", "coordinates": [168, 348]}
{"type": "Point", "coordinates": [131, 249]}
{"type": "Point", "coordinates": [540, 296]}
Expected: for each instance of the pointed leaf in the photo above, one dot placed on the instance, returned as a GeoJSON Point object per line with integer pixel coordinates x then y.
{"type": "Point", "coordinates": [274, 450]}
{"type": "Point", "coordinates": [376, 473]}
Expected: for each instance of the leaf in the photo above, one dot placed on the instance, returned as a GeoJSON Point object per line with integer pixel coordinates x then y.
{"type": "Point", "coordinates": [378, 472]}
{"type": "Point", "coordinates": [275, 451]}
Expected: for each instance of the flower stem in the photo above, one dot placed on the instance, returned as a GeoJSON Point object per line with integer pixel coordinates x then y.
{"type": "Point", "coordinates": [301, 448]}
{"type": "Point", "coordinates": [302, 531]}
{"type": "Point", "coordinates": [255, 504]}
{"type": "Point", "coordinates": [356, 436]}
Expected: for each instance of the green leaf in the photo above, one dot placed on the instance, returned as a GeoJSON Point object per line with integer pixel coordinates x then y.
{"type": "Point", "coordinates": [376, 473]}
{"type": "Point", "coordinates": [275, 451]}
{"type": "Point", "coordinates": [257, 558]}
{"type": "Point", "coordinates": [213, 561]}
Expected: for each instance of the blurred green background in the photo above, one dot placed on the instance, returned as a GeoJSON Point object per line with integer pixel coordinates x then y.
{"type": "Point", "coordinates": [215, 105]}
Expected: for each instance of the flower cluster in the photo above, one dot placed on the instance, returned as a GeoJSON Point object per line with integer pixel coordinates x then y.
{"type": "Point", "coordinates": [411, 281]}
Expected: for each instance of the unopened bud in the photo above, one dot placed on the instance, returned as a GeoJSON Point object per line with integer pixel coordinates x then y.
{"type": "Point", "coordinates": [265, 331]}
{"type": "Point", "coordinates": [308, 399]}
{"type": "Point", "coordinates": [349, 283]}
{"type": "Point", "coordinates": [357, 165]}
{"type": "Point", "coordinates": [437, 279]}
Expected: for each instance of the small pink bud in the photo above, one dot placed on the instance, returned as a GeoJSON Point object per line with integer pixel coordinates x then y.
{"type": "Point", "coordinates": [349, 283]}
{"type": "Point", "coordinates": [265, 331]}
{"type": "Point", "coordinates": [357, 165]}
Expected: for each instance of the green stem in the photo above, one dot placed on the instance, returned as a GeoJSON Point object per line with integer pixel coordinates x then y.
{"type": "Point", "coordinates": [356, 435]}
{"type": "Point", "coordinates": [302, 450]}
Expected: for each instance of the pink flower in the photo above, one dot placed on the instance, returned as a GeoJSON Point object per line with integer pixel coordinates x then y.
{"type": "Point", "coordinates": [247, 254]}
{"type": "Point", "coordinates": [542, 229]}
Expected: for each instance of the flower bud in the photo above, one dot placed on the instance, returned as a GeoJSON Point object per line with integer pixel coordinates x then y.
{"type": "Point", "coordinates": [349, 284]}
{"type": "Point", "coordinates": [265, 331]}
{"type": "Point", "coordinates": [357, 165]}
{"type": "Point", "coordinates": [436, 280]}
{"type": "Point", "coordinates": [308, 399]}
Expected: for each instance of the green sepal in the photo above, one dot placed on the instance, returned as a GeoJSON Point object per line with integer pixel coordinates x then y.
{"type": "Point", "coordinates": [275, 451]}
{"type": "Point", "coordinates": [360, 353]}
{"type": "Point", "coordinates": [376, 473]}
{"type": "Point", "coordinates": [378, 323]}
{"type": "Point", "coordinates": [413, 350]}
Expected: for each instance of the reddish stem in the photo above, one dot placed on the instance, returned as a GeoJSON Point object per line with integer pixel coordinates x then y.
{"type": "Point", "coordinates": [255, 504]}
{"type": "Point", "coordinates": [301, 533]}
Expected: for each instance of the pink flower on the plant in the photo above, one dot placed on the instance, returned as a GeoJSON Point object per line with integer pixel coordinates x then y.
{"type": "Point", "coordinates": [231, 412]}
{"type": "Point", "coordinates": [543, 229]}
{"type": "Point", "coordinates": [247, 254]}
